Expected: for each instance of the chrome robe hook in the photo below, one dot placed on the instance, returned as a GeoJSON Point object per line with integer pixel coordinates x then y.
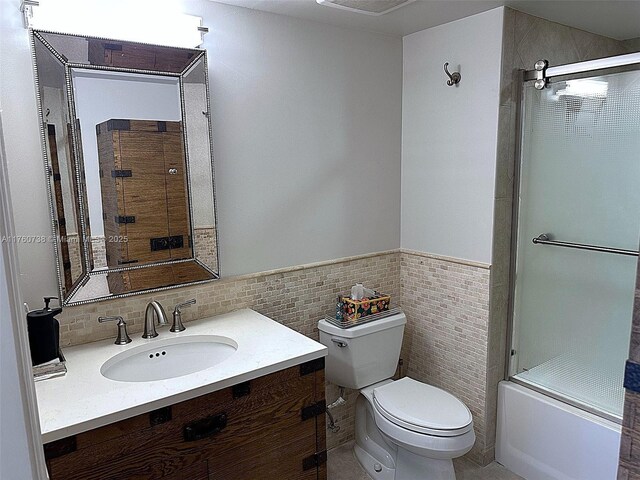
{"type": "Point", "coordinates": [454, 78]}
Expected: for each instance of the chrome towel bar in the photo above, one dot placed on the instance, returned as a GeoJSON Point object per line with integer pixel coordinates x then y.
{"type": "Point", "coordinates": [545, 239]}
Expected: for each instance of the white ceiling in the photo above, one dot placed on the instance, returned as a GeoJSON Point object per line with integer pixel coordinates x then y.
{"type": "Point", "coordinates": [612, 18]}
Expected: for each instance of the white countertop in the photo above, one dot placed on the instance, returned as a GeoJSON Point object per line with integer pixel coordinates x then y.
{"type": "Point", "coordinates": [83, 399]}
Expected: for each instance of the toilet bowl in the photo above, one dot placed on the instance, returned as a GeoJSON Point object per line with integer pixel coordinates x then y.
{"type": "Point", "coordinates": [405, 429]}
{"type": "Point", "coordinates": [426, 430]}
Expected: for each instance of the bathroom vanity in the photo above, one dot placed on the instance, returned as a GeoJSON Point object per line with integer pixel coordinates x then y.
{"type": "Point", "coordinates": [257, 414]}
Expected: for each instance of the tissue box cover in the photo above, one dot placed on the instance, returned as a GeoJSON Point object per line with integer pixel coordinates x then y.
{"type": "Point", "coordinates": [354, 309]}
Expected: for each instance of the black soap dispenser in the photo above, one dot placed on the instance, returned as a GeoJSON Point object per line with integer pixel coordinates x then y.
{"type": "Point", "coordinates": [44, 333]}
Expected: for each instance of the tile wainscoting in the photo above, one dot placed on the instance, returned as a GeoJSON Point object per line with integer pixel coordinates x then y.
{"type": "Point", "coordinates": [296, 297]}
{"type": "Point", "coordinates": [205, 245]}
{"type": "Point", "coordinates": [447, 304]}
{"type": "Point", "coordinates": [446, 301]}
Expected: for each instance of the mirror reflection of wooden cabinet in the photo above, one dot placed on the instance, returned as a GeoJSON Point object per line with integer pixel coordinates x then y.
{"type": "Point", "coordinates": [144, 191]}
{"type": "Point", "coordinates": [158, 277]}
{"type": "Point", "coordinates": [131, 55]}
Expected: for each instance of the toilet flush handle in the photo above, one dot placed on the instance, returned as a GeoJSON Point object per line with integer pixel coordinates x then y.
{"type": "Point", "coordinates": [339, 342]}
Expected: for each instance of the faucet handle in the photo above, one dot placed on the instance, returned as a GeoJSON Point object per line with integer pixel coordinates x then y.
{"type": "Point", "coordinates": [184, 304]}
{"type": "Point", "coordinates": [123, 337]}
{"type": "Point", "coordinates": [177, 316]}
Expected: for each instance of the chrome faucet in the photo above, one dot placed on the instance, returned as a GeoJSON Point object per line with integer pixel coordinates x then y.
{"type": "Point", "coordinates": [123, 336]}
{"type": "Point", "coordinates": [177, 316]}
{"type": "Point", "coordinates": [154, 310]}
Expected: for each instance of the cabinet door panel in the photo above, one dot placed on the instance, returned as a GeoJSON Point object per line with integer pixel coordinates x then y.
{"type": "Point", "coordinates": [112, 196]}
{"type": "Point", "coordinates": [199, 471]}
{"type": "Point", "coordinates": [145, 194]}
{"type": "Point", "coordinates": [321, 423]}
{"type": "Point", "coordinates": [278, 459]}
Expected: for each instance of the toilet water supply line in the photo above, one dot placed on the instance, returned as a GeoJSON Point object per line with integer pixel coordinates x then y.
{"type": "Point", "coordinates": [340, 401]}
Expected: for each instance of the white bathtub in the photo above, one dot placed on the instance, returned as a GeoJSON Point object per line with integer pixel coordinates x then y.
{"type": "Point", "coordinates": [541, 438]}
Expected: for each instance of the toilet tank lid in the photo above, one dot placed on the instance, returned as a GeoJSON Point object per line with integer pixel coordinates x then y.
{"type": "Point", "coordinates": [364, 329]}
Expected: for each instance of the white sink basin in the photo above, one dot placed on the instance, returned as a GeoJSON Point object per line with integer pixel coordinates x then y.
{"type": "Point", "coordinates": [168, 358]}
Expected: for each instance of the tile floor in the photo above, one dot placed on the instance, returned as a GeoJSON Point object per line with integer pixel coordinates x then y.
{"type": "Point", "coordinates": [342, 465]}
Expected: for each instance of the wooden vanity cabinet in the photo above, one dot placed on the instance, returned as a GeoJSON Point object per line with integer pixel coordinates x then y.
{"type": "Point", "coordinates": [272, 427]}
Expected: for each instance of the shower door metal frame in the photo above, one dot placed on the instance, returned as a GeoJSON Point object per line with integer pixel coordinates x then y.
{"type": "Point", "coordinates": [543, 72]}
{"type": "Point", "coordinates": [603, 66]}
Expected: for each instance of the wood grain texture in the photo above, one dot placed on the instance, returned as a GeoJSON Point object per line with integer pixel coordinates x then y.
{"type": "Point", "coordinates": [158, 200]}
{"type": "Point", "coordinates": [109, 160]}
{"type": "Point", "coordinates": [321, 421]}
{"type": "Point", "coordinates": [78, 171]}
{"type": "Point", "coordinates": [156, 276]}
{"type": "Point", "coordinates": [145, 194]}
{"type": "Point", "coordinates": [58, 199]}
{"type": "Point", "coordinates": [265, 438]}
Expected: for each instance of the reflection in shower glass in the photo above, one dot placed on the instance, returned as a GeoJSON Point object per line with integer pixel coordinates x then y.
{"type": "Point", "coordinates": [580, 177]}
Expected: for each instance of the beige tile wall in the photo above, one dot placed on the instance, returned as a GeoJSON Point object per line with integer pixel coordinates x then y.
{"type": "Point", "coordinates": [447, 305]}
{"type": "Point", "coordinates": [445, 350]}
{"type": "Point", "coordinates": [297, 297]}
{"type": "Point", "coordinates": [99, 250]}
{"type": "Point", "coordinates": [205, 246]}
{"type": "Point", "coordinates": [73, 243]}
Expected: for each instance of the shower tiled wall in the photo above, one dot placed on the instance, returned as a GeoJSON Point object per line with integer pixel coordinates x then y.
{"type": "Point", "coordinates": [526, 39]}
{"type": "Point", "coordinates": [447, 306]}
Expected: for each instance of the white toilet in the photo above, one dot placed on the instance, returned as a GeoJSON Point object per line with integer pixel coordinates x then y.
{"type": "Point", "coordinates": [405, 429]}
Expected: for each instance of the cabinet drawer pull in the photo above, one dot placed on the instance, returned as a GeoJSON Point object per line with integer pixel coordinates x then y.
{"type": "Point", "coordinates": [204, 428]}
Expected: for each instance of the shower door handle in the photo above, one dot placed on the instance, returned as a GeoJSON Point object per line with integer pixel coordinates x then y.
{"type": "Point", "coordinates": [546, 239]}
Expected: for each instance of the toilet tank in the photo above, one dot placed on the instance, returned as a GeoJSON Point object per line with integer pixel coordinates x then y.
{"type": "Point", "coordinates": [365, 354]}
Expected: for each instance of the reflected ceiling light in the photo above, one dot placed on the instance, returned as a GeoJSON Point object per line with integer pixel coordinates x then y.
{"type": "Point", "coordinates": [149, 21]}
{"type": "Point", "coordinates": [585, 88]}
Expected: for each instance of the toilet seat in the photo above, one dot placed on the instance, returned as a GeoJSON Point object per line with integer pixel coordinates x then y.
{"type": "Point", "coordinates": [422, 408]}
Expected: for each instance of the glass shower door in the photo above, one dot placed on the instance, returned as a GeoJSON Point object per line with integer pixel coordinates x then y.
{"type": "Point", "coordinates": [579, 182]}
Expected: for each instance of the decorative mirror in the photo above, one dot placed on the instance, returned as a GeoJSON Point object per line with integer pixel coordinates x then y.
{"type": "Point", "coordinates": [127, 147]}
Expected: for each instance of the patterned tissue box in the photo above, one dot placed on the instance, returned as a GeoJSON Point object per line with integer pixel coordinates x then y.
{"type": "Point", "coordinates": [355, 309]}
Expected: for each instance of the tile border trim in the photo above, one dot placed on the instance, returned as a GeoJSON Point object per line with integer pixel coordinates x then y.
{"type": "Point", "coordinates": [444, 258]}
{"type": "Point", "coordinates": [305, 266]}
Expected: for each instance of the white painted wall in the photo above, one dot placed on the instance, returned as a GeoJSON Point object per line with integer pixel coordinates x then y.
{"type": "Point", "coordinates": [19, 427]}
{"type": "Point", "coordinates": [306, 129]}
{"type": "Point", "coordinates": [15, 461]}
{"type": "Point", "coordinates": [449, 137]}
{"type": "Point", "coordinates": [103, 96]}
{"type": "Point", "coordinates": [24, 157]}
